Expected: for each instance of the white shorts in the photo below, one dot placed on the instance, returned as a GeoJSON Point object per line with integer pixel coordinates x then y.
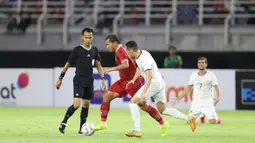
{"type": "Point", "coordinates": [207, 109]}
{"type": "Point", "coordinates": [157, 91]}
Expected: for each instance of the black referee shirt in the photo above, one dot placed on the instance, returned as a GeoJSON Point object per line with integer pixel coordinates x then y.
{"type": "Point", "coordinates": [84, 59]}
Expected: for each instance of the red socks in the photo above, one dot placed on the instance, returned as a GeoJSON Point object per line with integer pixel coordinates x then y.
{"type": "Point", "coordinates": [105, 108]}
{"type": "Point", "coordinates": [219, 121]}
{"type": "Point", "coordinates": [153, 112]}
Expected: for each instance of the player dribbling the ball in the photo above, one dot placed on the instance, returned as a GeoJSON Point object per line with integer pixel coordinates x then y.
{"type": "Point", "coordinates": [154, 87]}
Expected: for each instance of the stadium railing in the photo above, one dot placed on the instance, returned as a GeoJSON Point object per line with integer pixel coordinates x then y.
{"type": "Point", "coordinates": [229, 12]}
{"type": "Point", "coordinates": [226, 11]}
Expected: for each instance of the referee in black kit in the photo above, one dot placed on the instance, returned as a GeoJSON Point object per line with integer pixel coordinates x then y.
{"type": "Point", "coordinates": [85, 56]}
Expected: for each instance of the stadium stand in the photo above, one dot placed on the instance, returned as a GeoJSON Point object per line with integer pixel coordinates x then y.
{"type": "Point", "coordinates": [204, 25]}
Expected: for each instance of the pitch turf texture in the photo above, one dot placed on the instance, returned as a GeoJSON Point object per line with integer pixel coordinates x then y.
{"type": "Point", "coordinates": [40, 125]}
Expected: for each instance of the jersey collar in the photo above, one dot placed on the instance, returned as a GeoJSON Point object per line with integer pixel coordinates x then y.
{"type": "Point", "coordinates": [201, 75]}
{"type": "Point", "coordinates": [139, 54]}
{"type": "Point", "coordinates": [87, 48]}
{"type": "Point", "coordinates": [118, 47]}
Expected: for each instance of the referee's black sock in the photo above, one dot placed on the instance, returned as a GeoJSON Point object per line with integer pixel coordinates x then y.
{"type": "Point", "coordinates": [69, 113]}
{"type": "Point", "coordinates": [84, 115]}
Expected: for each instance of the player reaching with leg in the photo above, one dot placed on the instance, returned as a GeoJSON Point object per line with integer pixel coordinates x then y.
{"type": "Point", "coordinates": [154, 87]}
{"type": "Point", "coordinates": [85, 56]}
{"type": "Point", "coordinates": [202, 82]}
{"type": "Point", "coordinates": [127, 70]}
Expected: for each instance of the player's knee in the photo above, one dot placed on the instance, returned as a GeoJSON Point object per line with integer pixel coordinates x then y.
{"type": "Point", "coordinates": [108, 97]}
{"type": "Point", "coordinates": [135, 100]}
{"type": "Point", "coordinates": [142, 105]}
{"type": "Point", "coordinates": [161, 110]}
{"type": "Point", "coordinates": [76, 105]}
{"type": "Point", "coordinates": [161, 107]}
{"type": "Point", "coordinates": [212, 121]}
{"type": "Point", "coordinates": [85, 104]}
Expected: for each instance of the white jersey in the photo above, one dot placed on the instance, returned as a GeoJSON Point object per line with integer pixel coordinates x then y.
{"type": "Point", "coordinates": [146, 62]}
{"type": "Point", "coordinates": [157, 88]}
{"type": "Point", "coordinates": [203, 86]}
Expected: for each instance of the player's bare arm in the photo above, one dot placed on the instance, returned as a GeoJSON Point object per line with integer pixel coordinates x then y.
{"type": "Point", "coordinates": [65, 68]}
{"type": "Point", "coordinates": [184, 93]}
{"type": "Point", "coordinates": [147, 84]}
{"type": "Point", "coordinates": [123, 65]}
{"type": "Point", "coordinates": [217, 90]}
{"type": "Point", "coordinates": [101, 73]}
{"type": "Point", "coordinates": [137, 75]}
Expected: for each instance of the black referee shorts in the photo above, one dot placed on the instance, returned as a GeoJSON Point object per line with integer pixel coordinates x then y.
{"type": "Point", "coordinates": [84, 92]}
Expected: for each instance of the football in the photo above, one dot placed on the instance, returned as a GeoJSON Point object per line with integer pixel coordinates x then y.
{"type": "Point", "coordinates": [87, 129]}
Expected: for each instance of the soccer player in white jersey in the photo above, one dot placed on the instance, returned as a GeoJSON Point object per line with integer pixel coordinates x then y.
{"type": "Point", "coordinates": [154, 87]}
{"type": "Point", "coordinates": [203, 82]}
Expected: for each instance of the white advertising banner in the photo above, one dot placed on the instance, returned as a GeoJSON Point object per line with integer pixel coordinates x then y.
{"type": "Point", "coordinates": [26, 87]}
{"type": "Point", "coordinates": [176, 80]}
{"type": "Point", "coordinates": [36, 87]}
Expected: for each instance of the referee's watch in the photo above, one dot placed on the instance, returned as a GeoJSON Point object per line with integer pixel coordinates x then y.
{"type": "Point", "coordinates": [103, 78]}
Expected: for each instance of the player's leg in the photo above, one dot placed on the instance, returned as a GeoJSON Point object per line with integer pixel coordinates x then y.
{"type": "Point", "coordinates": [84, 113]}
{"type": "Point", "coordinates": [160, 99]}
{"type": "Point", "coordinates": [161, 106]}
{"type": "Point", "coordinates": [136, 117]}
{"type": "Point", "coordinates": [210, 113]}
{"type": "Point", "coordinates": [153, 112]}
{"type": "Point", "coordinates": [134, 108]}
{"type": "Point", "coordinates": [202, 118]}
{"type": "Point", "coordinates": [77, 92]}
{"type": "Point", "coordinates": [219, 120]}
{"type": "Point", "coordinates": [194, 112]}
{"type": "Point", "coordinates": [113, 92]}
{"type": "Point", "coordinates": [105, 106]}
{"type": "Point", "coordinates": [88, 94]}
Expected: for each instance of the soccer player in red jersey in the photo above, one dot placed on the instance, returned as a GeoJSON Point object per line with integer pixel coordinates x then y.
{"type": "Point", "coordinates": [127, 69]}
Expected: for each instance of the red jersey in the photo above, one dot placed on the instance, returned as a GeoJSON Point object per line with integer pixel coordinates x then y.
{"type": "Point", "coordinates": [122, 56]}
{"type": "Point", "coordinates": [125, 75]}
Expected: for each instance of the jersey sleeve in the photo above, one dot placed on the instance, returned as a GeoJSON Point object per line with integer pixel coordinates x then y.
{"type": "Point", "coordinates": [147, 62]}
{"type": "Point", "coordinates": [180, 61]}
{"type": "Point", "coordinates": [165, 62]}
{"type": "Point", "coordinates": [190, 83]}
{"type": "Point", "coordinates": [122, 55]}
{"type": "Point", "coordinates": [214, 79]}
{"type": "Point", "coordinates": [73, 56]}
{"type": "Point", "coordinates": [97, 57]}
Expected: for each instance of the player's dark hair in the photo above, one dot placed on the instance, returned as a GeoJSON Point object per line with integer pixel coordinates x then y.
{"type": "Point", "coordinates": [202, 58]}
{"type": "Point", "coordinates": [112, 38]}
{"type": "Point", "coordinates": [89, 30]}
{"type": "Point", "coordinates": [171, 47]}
{"type": "Point", "coordinates": [131, 45]}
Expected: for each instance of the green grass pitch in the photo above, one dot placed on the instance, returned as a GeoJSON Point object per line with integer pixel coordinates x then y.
{"type": "Point", "coordinates": [40, 125]}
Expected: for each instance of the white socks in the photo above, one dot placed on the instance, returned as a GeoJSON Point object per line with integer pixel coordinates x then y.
{"type": "Point", "coordinates": [135, 116]}
{"type": "Point", "coordinates": [175, 113]}
{"type": "Point", "coordinates": [195, 114]}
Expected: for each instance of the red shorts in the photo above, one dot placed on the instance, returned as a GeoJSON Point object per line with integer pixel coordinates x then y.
{"type": "Point", "coordinates": [120, 87]}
